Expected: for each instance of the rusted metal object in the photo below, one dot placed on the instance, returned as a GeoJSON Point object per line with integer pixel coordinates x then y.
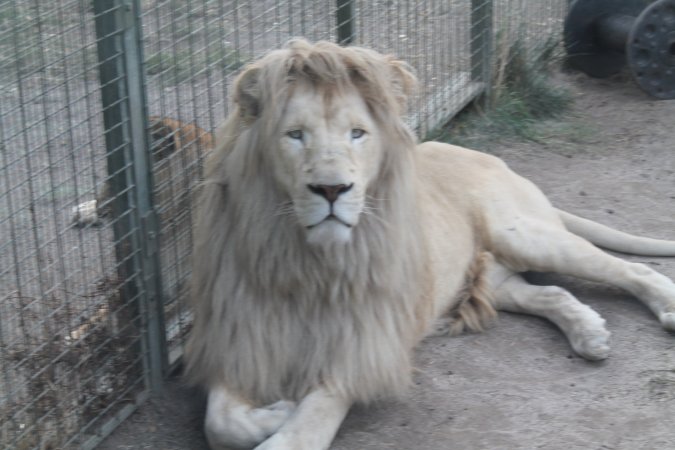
{"type": "Point", "coordinates": [602, 36]}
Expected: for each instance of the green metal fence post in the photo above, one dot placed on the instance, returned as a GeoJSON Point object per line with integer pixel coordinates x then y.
{"type": "Point", "coordinates": [345, 21]}
{"type": "Point", "coordinates": [149, 229]}
{"type": "Point", "coordinates": [481, 44]}
{"type": "Point", "coordinates": [130, 178]}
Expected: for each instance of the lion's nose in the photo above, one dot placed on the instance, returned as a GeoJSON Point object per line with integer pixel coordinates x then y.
{"type": "Point", "coordinates": [330, 192]}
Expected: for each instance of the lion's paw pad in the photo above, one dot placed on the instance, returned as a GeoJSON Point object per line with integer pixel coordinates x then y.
{"type": "Point", "coordinates": [668, 321]}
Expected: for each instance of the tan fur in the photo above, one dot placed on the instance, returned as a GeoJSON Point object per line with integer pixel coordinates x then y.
{"type": "Point", "coordinates": [177, 149]}
{"type": "Point", "coordinates": [474, 309]}
{"type": "Point", "coordinates": [171, 135]}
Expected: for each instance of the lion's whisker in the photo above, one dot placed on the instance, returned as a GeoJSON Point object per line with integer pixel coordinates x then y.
{"type": "Point", "coordinates": [284, 209]}
{"type": "Point", "coordinates": [377, 199]}
{"type": "Point", "coordinates": [371, 206]}
{"type": "Point", "coordinates": [371, 214]}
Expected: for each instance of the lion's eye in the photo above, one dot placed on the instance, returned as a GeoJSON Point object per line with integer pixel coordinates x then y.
{"type": "Point", "coordinates": [357, 133]}
{"type": "Point", "coordinates": [295, 134]}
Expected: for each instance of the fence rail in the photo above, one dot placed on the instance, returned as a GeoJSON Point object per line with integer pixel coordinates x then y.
{"type": "Point", "coordinates": [106, 113]}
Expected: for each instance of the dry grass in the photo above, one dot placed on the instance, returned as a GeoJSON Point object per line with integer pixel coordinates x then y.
{"type": "Point", "coordinates": [523, 95]}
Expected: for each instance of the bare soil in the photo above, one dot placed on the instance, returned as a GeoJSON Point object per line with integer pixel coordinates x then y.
{"type": "Point", "coordinates": [518, 385]}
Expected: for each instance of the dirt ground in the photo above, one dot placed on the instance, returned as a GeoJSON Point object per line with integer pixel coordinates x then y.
{"type": "Point", "coordinates": [518, 385]}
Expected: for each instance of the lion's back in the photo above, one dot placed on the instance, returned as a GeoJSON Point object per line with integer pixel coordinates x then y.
{"type": "Point", "coordinates": [437, 160]}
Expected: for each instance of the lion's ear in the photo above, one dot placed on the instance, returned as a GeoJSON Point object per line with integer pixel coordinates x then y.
{"type": "Point", "coordinates": [247, 93]}
{"type": "Point", "coordinates": [404, 82]}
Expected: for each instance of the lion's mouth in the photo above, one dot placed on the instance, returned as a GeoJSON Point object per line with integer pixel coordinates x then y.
{"type": "Point", "coordinates": [330, 217]}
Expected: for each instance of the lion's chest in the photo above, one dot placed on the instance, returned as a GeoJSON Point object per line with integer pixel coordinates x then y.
{"type": "Point", "coordinates": [284, 344]}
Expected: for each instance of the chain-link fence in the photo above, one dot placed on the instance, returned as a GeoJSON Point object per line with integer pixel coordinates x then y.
{"type": "Point", "coordinates": [106, 113]}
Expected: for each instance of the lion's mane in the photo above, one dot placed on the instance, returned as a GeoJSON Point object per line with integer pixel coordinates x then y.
{"type": "Point", "coordinates": [275, 317]}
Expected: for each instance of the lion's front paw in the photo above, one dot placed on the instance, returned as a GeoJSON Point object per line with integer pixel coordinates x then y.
{"type": "Point", "coordinates": [271, 417]}
{"type": "Point", "coordinates": [244, 427]}
{"type": "Point", "coordinates": [86, 213]}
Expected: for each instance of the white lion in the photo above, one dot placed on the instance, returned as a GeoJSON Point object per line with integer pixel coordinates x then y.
{"type": "Point", "coordinates": [328, 244]}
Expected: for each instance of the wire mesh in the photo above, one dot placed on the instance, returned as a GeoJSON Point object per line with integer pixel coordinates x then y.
{"type": "Point", "coordinates": [193, 49]}
{"type": "Point", "coordinates": [76, 287]}
{"type": "Point", "coordinates": [69, 331]}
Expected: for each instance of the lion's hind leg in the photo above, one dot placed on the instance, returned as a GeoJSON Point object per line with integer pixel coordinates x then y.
{"type": "Point", "coordinates": [538, 245]}
{"type": "Point", "coordinates": [584, 327]}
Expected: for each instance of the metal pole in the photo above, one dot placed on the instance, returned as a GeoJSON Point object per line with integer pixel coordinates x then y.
{"type": "Point", "coordinates": [149, 224]}
{"type": "Point", "coordinates": [345, 21]}
{"type": "Point", "coordinates": [481, 43]}
{"type": "Point", "coordinates": [130, 178]}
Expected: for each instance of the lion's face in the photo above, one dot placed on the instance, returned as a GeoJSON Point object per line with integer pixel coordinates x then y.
{"type": "Point", "coordinates": [329, 151]}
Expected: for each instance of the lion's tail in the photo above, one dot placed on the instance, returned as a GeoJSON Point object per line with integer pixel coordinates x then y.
{"type": "Point", "coordinates": [611, 239]}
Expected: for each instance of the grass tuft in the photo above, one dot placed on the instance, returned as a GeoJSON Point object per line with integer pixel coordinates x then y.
{"type": "Point", "coordinates": [522, 96]}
